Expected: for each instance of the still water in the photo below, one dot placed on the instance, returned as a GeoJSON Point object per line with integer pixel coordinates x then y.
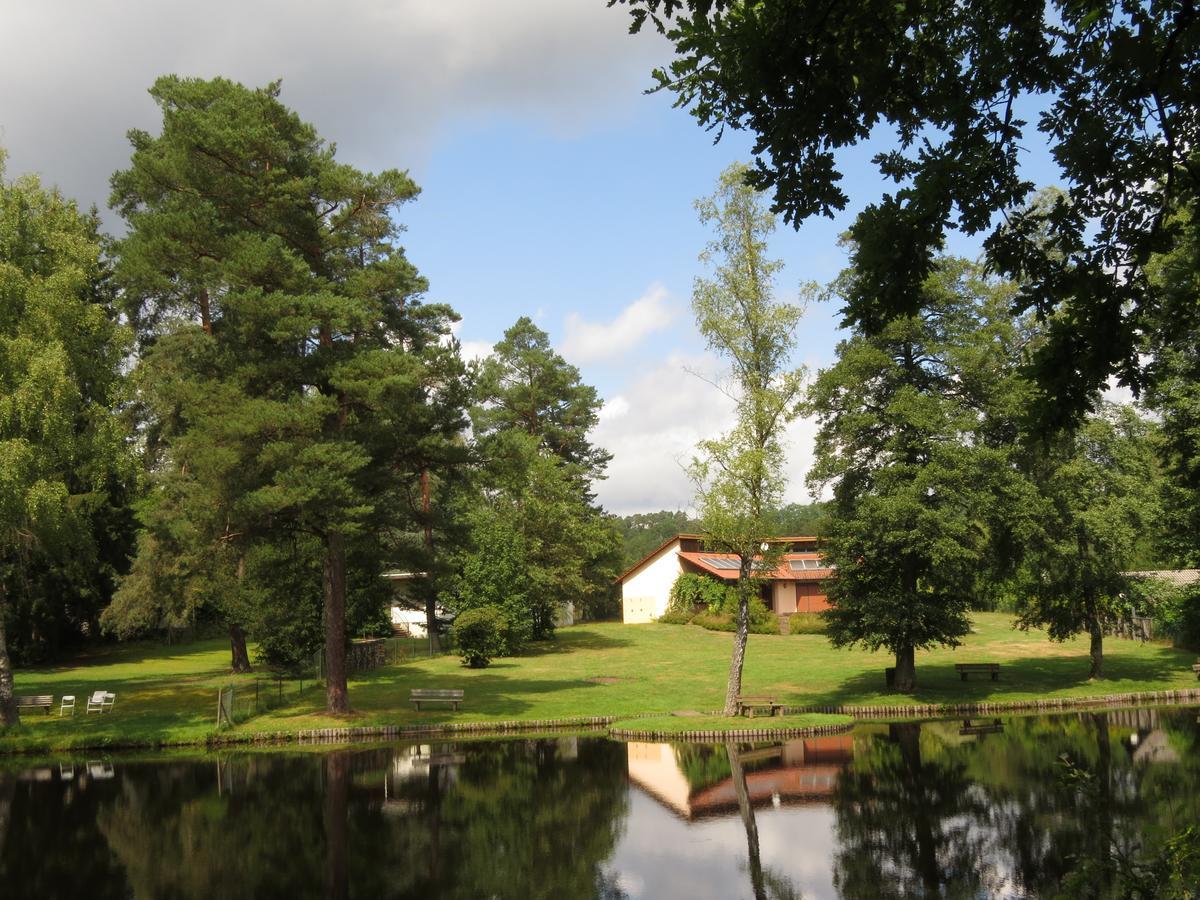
{"type": "Point", "coordinates": [1090, 804]}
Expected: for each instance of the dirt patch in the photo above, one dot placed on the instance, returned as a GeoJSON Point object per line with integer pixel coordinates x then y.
{"type": "Point", "coordinates": [604, 679]}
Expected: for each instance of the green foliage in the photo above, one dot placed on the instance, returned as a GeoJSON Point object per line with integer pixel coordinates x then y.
{"type": "Point", "coordinates": [738, 476]}
{"type": "Point", "coordinates": [480, 634]}
{"type": "Point", "coordinates": [1100, 498]}
{"type": "Point", "coordinates": [692, 591]}
{"type": "Point", "coordinates": [523, 385]}
{"type": "Point", "coordinates": [292, 382]}
{"type": "Point", "coordinates": [675, 617]}
{"type": "Point", "coordinates": [64, 467]}
{"type": "Point", "coordinates": [536, 540]}
{"type": "Point", "coordinates": [535, 544]}
{"type": "Point", "coordinates": [1174, 389]}
{"type": "Point", "coordinates": [725, 617]}
{"type": "Point", "coordinates": [916, 441]}
{"type": "Point", "coordinates": [807, 623]}
{"type": "Point", "coordinates": [1175, 609]}
{"type": "Point", "coordinates": [1115, 86]}
{"type": "Point", "coordinates": [642, 533]}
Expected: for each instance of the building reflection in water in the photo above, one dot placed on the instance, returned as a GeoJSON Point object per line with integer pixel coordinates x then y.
{"type": "Point", "coordinates": [697, 781]}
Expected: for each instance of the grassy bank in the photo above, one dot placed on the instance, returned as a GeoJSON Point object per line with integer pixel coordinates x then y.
{"type": "Point", "coordinates": [168, 695]}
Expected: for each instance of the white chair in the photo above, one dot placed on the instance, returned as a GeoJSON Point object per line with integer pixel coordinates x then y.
{"type": "Point", "coordinates": [68, 703]}
{"type": "Point", "coordinates": [100, 702]}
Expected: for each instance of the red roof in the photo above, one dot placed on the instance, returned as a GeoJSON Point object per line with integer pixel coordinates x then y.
{"type": "Point", "coordinates": [710, 563]}
{"type": "Point", "coordinates": [790, 539]}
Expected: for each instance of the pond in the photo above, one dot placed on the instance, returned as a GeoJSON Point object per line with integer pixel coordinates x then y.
{"type": "Point", "coordinates": [1087, 804]}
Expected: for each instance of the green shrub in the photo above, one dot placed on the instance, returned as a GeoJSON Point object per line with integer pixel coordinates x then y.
{"type": "Point", "coordinates": [479, 635]}
{"type": "Point", "coordinates": [807, 623]}
{"type": "Point", "coordinates": [675, 617]}
{"type": "Point", "coordinates": [692, 592]}
{"type": "Point", "coordinates": [1176, 611]}
{"type": "Point", "coordinates": [721, 622]}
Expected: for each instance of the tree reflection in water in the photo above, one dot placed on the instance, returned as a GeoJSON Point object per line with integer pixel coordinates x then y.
{"type": "Point", "coordinates": [1044, 810]}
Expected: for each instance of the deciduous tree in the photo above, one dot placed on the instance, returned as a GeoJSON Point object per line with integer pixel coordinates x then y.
{"type": "Point", "coordinates": [63, 453]}
{"type": "Point", "coordinates": [739, 476]}
{"type": "Point", "coordinates": [924, 480]}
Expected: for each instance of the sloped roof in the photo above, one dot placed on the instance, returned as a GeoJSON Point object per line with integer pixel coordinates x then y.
{"type": "Point", "coordinates": [791, 539]}
{"type": "Point", "coordinates": [1177, 577]}
{"type": "Point", "coordinates": [712, 564]}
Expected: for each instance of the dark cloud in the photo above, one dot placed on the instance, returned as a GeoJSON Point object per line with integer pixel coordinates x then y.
{"type": "Point", "coordinates": [383, 79]}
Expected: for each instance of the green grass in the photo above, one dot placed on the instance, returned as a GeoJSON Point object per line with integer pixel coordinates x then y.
{"type": "Point", "coordinates": [680, 724]}
{"type": "Point", "coordinates": [168, 695]}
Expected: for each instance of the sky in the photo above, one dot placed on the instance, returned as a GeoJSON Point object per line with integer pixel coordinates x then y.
{"type": "Point", "coordinates": [552, 184]}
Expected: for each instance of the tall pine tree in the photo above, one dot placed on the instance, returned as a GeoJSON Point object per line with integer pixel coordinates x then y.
{"type": "Point", "coordinates": [306, 377]}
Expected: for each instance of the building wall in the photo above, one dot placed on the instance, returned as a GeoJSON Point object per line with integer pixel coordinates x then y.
{"type": "Point", "coordinates": [810, 596]}
{"type": "Point", "coordinates": [785, 597]}
{"type": "Point", "coordinates": [644, 594]}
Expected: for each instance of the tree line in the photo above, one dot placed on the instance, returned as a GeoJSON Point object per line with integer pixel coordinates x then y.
{"type": "Point", "coordinates": [242, 411]}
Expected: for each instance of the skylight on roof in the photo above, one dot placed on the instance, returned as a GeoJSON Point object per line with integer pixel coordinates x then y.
{"type": "Point", "coordinates": [718, 562]}
{"type": "Point", "coordinates": [802, 564]}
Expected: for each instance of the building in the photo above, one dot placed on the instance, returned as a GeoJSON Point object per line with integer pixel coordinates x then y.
{"type": "Point", "coordinates": [796, 585]}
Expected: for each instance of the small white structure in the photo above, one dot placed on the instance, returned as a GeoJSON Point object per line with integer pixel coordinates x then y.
{"type": "Point", "coordinates": [411, 620]}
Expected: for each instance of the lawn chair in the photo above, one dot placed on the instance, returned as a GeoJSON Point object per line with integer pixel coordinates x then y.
{"type": "Point", "coordinates": [101, 702]}
{"type": "Point", "coordinates": [68, 703]}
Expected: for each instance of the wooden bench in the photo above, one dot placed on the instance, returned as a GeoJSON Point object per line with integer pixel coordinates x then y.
{"type": "Point", "coordinates": [965, 669]}
{"type": "Point", "coordinates": [969, 727]}
{"type": "Point", "coordinates": [427, 695]}
{"type": "Point", "coordinates": [42, 702]}
{"type": "Point", "coordinates": [747, 705]}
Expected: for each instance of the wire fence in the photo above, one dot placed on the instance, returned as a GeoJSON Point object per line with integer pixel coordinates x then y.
{"type": "Point", "coordinates": [243, 700]}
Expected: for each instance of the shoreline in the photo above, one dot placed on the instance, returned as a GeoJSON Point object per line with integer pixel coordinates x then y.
{"type": "Point", "coordinates": [592, 724]}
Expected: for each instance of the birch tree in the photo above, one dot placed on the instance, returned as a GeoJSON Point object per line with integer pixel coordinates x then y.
{"type": "Point", "coordinates": [739, 477]}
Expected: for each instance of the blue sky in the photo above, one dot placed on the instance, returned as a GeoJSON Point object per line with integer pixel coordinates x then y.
{"type": "Point", "coordinates": [552, 186]}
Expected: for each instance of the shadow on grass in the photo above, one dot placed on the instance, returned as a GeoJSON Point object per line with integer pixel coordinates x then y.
{"type": "Point", "coordinates": [1062, 676]}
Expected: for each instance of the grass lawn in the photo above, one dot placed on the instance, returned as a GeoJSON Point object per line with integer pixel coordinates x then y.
{"type": "Point", "coordinates": [605, 669]}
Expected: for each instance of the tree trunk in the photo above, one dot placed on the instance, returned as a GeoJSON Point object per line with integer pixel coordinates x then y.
{"type": "Point", "coordinates": [205, 312]}
{"type": "Point", "coordinates": [8, 702]}
{"type": "Point", "coordinates": [337, 793]}
{"type": "Point", "coordinates": [734, 686]}
{"type": "Point", "coordinates": [430, 597]}
{"type": "Point", "coordinates": [906, 669]}
{"type": "Point", "coordinates": [753, 853]}
{"type": "Point", "coordinates": [1096, 630]}
{"type": "Point", "coordinates": [336, 700]}
{"type": "Point", "coordinates": [237, 649]}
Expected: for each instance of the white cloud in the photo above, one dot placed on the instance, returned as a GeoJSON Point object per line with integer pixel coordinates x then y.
{"type": "Point", "coordinates": [470, 350]}
{"type": "Point", "coordinates": [381, 77]}
{"type": "Point", "coordinates": [653, 425]}
{"type": "Point", "coordinates": [594, 341]}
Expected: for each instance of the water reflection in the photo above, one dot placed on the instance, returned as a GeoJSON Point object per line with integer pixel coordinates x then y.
{"type": "Point", "coordinates": [1087, 805]}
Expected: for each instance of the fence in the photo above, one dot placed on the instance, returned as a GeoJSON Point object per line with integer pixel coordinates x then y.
{"type": "Point", "coordinates": [239, 702]}
{"type": "Point", "coordinates": [242, 701]}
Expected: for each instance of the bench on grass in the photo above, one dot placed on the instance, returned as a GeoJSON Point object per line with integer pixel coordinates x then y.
{"type": "Point", "coordinates": [42, 702]}
{"type": "Point", "coordinates": [965, 669]}
{"type": "Point", "coordinates": [428, 695]}
{"type": "Point", "coordinates": [747, 705]}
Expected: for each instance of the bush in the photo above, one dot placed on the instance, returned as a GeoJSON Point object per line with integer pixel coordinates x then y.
{"type": "Point", "coordinates": [691, 592]}
{"type": "Point", "coordinates": [807, 623]}
{"type": "Point", "coordinates": [1176, 611]}
{"type": "Point", "coordinates": [721, 622]}
{"type": "Point", "coordinates": [479, 635]}
{"type": "Point", "coordinates": [675, 617]}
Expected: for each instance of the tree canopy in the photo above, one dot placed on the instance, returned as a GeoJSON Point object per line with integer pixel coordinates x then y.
{"type": "Point", "coordinates": [739, 476]}
{"type": "Point", "coordinates": [1109, 86]}
{"type": "Point", "coordinates": [298, 386]}
{"type": "Point", "coordinates": [65, 468]}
